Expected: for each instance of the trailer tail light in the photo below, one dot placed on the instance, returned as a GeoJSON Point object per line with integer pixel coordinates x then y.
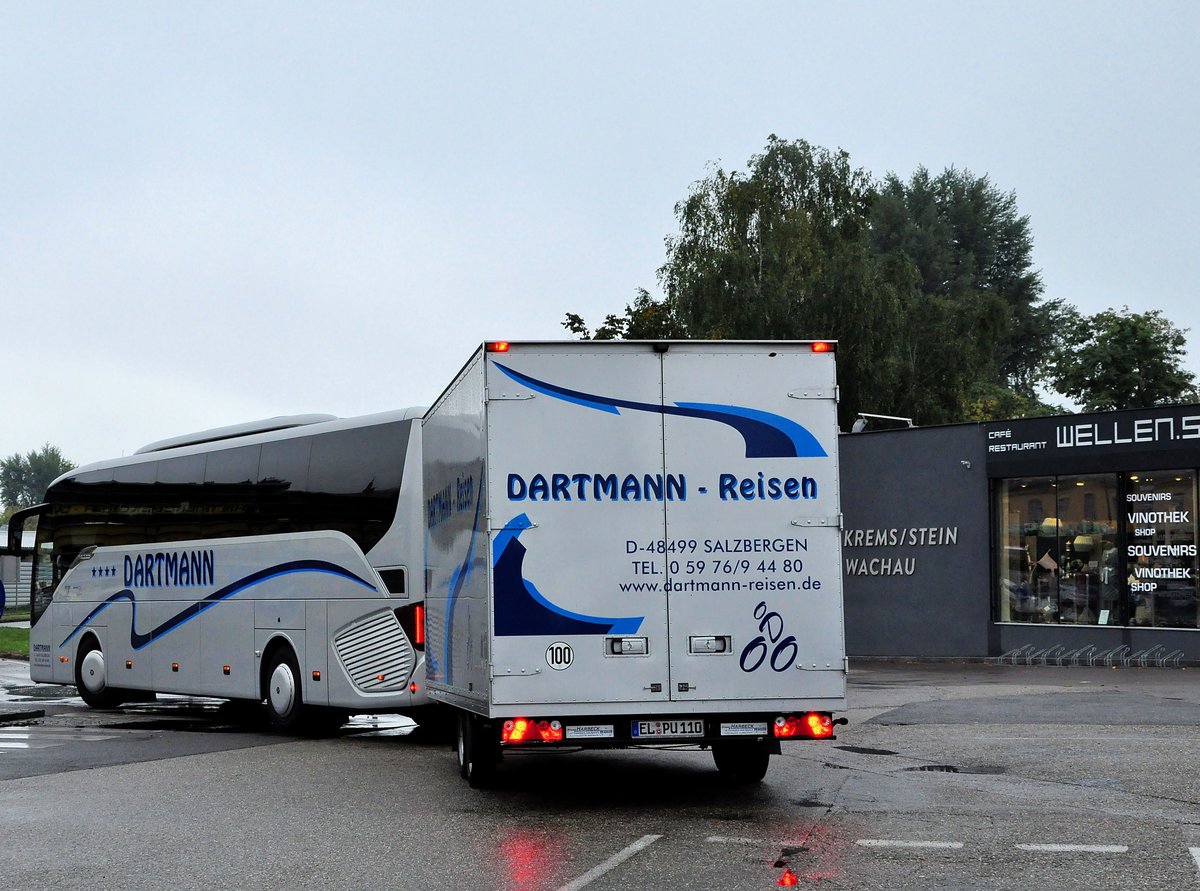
{"type": "Point", "coordinates": [813, 725]}
{"type": "Point", "coordinates": [497, 346]}
{"type": "Point", "coordinates": [824, 346]}
{"type": "Point", "coordinates": [525, 730]}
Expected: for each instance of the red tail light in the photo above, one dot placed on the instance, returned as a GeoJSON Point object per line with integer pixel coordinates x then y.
{"type": "Point", "coordinates": [497, 346]}
{"type": "Point", "coordinates": [524, 730]}
{"type": "Point", "coordinates": [813, 725]}
{"type": "Point", "coordinates": [824, 346]}
{"type": "Point", "coordinates": [419, 629]}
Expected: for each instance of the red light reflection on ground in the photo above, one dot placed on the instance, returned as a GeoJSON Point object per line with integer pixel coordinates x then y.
{"type": "Point", "coordinates": [814, 851]}
{"type": "Point", "coordinates": [527, 859]}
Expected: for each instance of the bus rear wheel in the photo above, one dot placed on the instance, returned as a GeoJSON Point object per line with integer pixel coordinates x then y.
{"type": "Point", "coordinates": [284, 691]}
{"type": "Point", "coordinates": [286, 708]}
{"type": "Point", "coordinates": [91, 676]}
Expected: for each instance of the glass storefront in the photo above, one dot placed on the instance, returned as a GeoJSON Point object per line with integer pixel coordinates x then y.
{"type": "Point", "coordinates": [1097, 549]}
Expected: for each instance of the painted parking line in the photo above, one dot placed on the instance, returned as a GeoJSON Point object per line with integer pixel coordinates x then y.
{"type": "Point", "coordinates": [611, 863]}
{"type": "Point", "coordinates": [46, 737]}
{"type": "Point", "coordinates": [900, 843]}
{"type": "Point", "coordinates": [1081, 849]}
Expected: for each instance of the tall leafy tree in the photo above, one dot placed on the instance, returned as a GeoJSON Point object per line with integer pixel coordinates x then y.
{"type": "Point", "coordinates": [977, 298]}
{"type": "Point", "coordinates": [1122, 359]}
{"type": "Point", "coordinates": [25, 478]}
{"type": "Point", "coordinates": [781, 252]}
{"type": "Point", "coordinates": [928, 285]}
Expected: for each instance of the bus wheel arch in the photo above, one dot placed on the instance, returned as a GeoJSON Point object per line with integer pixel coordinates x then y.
{"type": "Point", "coordinates": [91, 674]}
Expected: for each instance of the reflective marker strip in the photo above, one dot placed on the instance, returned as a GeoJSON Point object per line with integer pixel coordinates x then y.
{"type": "Point", "coordinates": [611, 863]}
{"type": "Point", "coordinates": [1083, 849]}
{"type": "Point", "coordinates": [895, 843]}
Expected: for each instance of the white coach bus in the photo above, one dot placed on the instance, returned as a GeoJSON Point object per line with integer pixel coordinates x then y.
{"type": "Point", "coordinates": [263, 562]}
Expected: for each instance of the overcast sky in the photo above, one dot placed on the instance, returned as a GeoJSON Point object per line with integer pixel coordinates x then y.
{"type": "Point", "coordinates": [217, 212]}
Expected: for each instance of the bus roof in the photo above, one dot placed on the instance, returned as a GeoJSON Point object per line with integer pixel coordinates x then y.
{"type": "Point", "coordinates": [252, 433]}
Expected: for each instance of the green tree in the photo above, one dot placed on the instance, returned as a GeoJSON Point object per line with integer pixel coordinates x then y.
{"type": "Point", "coordinates": [644, 319]}
{"type": "Point", "coordinates": [781, 252]}
{"type": "Point", "coordinates": [975, 320]}
{"type": "Point", "coordinates": [25, 478]}
{"type": "Point", "coordinates": [927, 285]}
{"type": "Point", "coordinates": [1122, 359]}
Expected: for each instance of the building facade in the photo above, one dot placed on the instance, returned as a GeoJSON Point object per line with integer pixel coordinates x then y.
{"type": "Point", "coordinates": [1067, 534]}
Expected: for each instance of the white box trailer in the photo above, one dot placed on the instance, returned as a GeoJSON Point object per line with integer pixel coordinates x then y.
{"type": "Point", "coordinates": [634, 543]}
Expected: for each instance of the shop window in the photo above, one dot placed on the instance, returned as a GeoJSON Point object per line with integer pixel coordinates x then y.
{"type": "Point", "coordinates": [1028, 543]}
{"type": "Point", "coordinates": [1160, 517]}
{"type": "Point", "coordinates": [1063, 567]}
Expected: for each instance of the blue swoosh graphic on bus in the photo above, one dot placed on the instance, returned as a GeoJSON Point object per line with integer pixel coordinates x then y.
{"type": "Point", "coordinates": [521, 609]}
{"type": "Point", "coordinates": [138, 640]}
{"type": "Point", "coordinates": [766, 435]}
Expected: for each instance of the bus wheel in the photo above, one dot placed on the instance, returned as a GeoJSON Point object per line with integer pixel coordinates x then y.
{"type": "Point", "coordinates": [285, 697]}
{"type": "Point", "coordinates": [478, 752]}
{"type": "Point", "coordinates": [742, 762]}
{"type": "Point", "coordinates": [91, 676]}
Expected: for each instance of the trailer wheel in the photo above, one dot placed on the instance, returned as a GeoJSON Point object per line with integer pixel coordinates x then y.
{"type": "Point", "coordinates": [91, 676]}
{"type": "Point", "coordinates": [743, 761]}
{"type": "Point", "coordinates": [478, 751]}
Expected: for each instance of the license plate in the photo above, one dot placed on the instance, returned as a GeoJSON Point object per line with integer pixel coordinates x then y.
{"type": "Point", "coordinates": [688, 727]}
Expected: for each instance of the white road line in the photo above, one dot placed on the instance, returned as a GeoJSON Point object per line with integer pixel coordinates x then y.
{"type": "Point", "coordinates": [1196, 857]}
{"type": "Point", "coordinates": [1083, 849]}
{"type": "Point", "coordinates": [611, 863]}
{"type": "Point", "coordinates": [897, 843]}
{"type": "Point", "coordinates": [732, 840]}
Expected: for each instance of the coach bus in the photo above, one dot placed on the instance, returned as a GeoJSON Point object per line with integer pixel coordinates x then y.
{"type": "Point", "coordinates": [270, 562]}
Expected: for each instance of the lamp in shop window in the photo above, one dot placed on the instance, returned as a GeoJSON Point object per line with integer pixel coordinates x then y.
{"type": "Point", "coordinates": [1050, 527]}
{"type": "Point", "coordinates": [1084, 544]}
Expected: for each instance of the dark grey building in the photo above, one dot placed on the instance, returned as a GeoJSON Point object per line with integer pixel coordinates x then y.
{"type": "Point", "coordinates": [1071, 534]}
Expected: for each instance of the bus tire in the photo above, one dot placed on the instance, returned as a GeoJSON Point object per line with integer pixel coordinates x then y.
{"type": "Point", "coordinates": [478, 752]}
{"type": "Point", "coordinates": [284, 690]}
{"type": "Point", "coordinates": [744, 761]}
{"type": "Point", "coordinates": [91, 676]}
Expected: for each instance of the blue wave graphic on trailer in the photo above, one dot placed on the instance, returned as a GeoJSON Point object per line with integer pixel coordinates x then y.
{"type": "Point", "coordinates": [766, 435]}
{"type": "Point", "coordinates": [138, 640]}
{"type": "Point", "coordinates": [522, 610]}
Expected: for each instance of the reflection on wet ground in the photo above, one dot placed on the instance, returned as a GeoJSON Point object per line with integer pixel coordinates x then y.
{"type": "Point", "coordinates": [195, 714]}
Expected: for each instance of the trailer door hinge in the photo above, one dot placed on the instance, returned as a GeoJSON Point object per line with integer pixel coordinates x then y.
{"type": "Point", "coordinates": [835, 521]}
{"type": "Point", "coordinates": [489, 396]}
{"type": "Point", "coordinates": [814, 393]}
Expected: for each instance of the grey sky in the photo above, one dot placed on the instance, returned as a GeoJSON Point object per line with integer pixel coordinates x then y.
{"type": "Point", "coordinates": [216, 212]}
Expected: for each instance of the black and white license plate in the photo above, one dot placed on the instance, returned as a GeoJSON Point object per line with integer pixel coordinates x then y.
{"type": "Point", "coordinates": [684, 727]}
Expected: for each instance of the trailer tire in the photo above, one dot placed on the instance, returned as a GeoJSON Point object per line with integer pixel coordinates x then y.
{"type": "Point", "coordinates": [91, 676]}
{"type": "Point", "coordinates": [742, 761]}
{"type": "Point", "coordinates": [478, 751]}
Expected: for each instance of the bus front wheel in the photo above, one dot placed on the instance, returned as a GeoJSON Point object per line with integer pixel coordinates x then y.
{"type": "Point", "coordinates": [91, 676]}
